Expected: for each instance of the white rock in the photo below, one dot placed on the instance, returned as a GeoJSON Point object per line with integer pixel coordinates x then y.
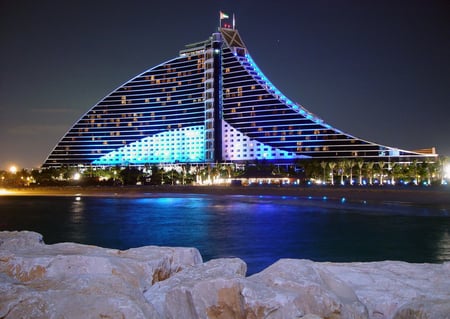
{"type": "Point", "coordinates": [16, 240]}
{"type": "Point", "coordinates": [80, 281]}
{"type": "Point", "coordinates": [309, 289]}
{"type": "Point", "coordinates": [210, 290]}
{"type": "Point", "coordinates": [387, 287]}
{"type": "Point", "coordinates": [69, 280]}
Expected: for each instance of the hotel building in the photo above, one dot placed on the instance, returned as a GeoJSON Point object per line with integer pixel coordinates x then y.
{"type": "Point", "coordinates": [209, 104]}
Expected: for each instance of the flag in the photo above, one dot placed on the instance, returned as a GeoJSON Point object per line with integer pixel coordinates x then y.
{"type": "Point", "coordinates": [223, 15]}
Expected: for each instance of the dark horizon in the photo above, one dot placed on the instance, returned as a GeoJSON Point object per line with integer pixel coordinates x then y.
{"type": "Point", "coordinates": [379, 71]}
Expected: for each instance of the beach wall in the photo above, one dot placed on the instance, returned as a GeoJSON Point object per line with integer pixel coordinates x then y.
{"type": "Point", "coordinates": [69, 280]}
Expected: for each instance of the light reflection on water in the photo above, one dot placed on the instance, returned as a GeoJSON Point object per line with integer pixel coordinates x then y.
{"type": "Point", "coordinates": [443, 248]}
{"type": "Point", "coordinates": [258, 229]}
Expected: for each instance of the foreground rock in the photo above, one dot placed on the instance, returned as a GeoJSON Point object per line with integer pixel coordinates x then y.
{"type": "Point", "coordinates": [77, 281]}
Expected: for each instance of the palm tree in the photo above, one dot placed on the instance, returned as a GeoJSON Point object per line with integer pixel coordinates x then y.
{"type": "Point", "coordinates": [392, 171]}
{"type": "Point", "coordinates": [416, 175]}
{"type": "Point", "coordinates": [370, 171]}
{"type": "Point", "coordinates": [360, 164]}
{"type": "Point", "coordinates": [350, 164]}
{"type": "Point", "coordinates": [332, 165]}
{"type": "Point", "coordinates": [381, 167]}
{"type": "Point", "coordinates": [427, 167]}
{"type": "Point", "coordinates": [229, 169]}
{"type": "Point", "coordinates": [324, 164]}
{"type": "Point", "coordinates": [341, 170]}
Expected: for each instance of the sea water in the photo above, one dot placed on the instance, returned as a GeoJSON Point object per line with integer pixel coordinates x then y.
{"type": "Point", "coordinates": [258, 229]}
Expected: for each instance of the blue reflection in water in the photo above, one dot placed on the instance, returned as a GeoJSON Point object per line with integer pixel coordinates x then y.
{"type": "Point", "coordinates": [258, 229]}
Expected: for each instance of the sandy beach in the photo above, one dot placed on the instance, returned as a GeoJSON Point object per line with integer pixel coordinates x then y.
{"type": "Point", "coordinates": [414, 195]}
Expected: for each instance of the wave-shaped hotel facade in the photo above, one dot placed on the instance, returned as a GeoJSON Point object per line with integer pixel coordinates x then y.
{"type": "Point", "coordinates": [210, 104]}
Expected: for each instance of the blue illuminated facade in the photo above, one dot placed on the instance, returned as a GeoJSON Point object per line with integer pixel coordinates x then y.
{"type": "Point", "coordinates": [210, 104]}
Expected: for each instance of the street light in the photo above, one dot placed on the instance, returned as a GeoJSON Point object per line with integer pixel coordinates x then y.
{"type": "Point", "coordinates": [13, 169]}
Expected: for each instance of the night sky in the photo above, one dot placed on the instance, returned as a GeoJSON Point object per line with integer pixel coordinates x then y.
{"type": "Point", "coordinates": [379, 70]}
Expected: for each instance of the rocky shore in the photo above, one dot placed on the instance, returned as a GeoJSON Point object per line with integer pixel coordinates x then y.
{"type": "Point", "coordinates": [69, 280]}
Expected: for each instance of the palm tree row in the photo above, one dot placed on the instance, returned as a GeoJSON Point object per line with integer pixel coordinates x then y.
{"type": "Point", "coordinates": [349, 172]}
{"type": "Point", "coordinates": [369, 172]}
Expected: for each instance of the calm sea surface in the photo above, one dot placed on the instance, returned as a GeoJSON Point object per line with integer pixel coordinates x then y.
{"type": "Point", "coordinates": [258, 229]}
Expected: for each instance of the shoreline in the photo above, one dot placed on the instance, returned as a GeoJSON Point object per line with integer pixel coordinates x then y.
{"type": "Point", "coordinates": [413, 195]}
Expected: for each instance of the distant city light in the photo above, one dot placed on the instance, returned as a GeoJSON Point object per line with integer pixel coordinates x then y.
{"type": "Point", "coordinates": [13, 169]}
{"type": "Point", "coordinates": [76, 176]}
